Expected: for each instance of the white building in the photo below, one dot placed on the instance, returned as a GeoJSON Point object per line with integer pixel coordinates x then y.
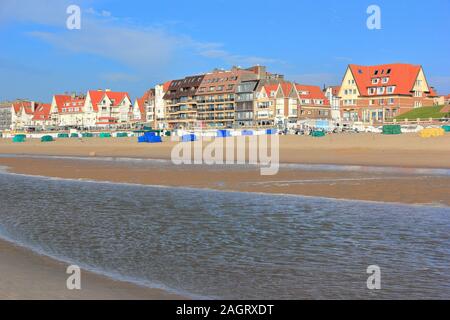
{"type": "Point", "coordinates": [332, 94]}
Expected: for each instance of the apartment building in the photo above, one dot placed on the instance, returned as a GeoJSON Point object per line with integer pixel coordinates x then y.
{"type": "Point", "coordinates": [312, 103]}
{"type": "Point", "coordinates": [381, 92]}
{"type": "Point", "coordinates": [216, 97]}
{"type": "Point", "coordinates": [181, 109]}
{"type": "Point", "coordinates": [5, 116]}
{"type": "Point", "coordinates": [245, 96]}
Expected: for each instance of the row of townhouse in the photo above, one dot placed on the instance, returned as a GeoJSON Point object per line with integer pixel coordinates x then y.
{"type": "Point", "coordinates": [236, 98]}
{"type": "Point", "coordinates": [240, 97]}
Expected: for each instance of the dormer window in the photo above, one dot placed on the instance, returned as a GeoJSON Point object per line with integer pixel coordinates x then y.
{"type": "Point", "coordinates": [388, 71]}
{"type": "Point", "coordinates": [390, 89]}
{"type": "Point", "coordinates": [385, 80]}
{"type": "Point", "coordinates": [375, 81]}
{"type": "Point", "coordinates": [376, 72]}
{"type": "Point", "coordinates": [380, 90]}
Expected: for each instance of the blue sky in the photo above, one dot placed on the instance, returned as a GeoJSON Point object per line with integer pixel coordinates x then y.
{"type": "Point", "coordinates": [133, 45]}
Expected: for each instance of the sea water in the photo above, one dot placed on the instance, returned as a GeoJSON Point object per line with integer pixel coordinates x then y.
{"type": "Point", "coordinates": [231, 245]}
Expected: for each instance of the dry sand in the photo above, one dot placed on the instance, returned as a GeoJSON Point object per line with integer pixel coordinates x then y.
{"type": "Point", "coordinates": [407, 150]}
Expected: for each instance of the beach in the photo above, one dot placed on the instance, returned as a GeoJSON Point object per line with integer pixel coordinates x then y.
{"type": "Point", "coordinates": [27, 275]}
{"type": "Point", "coordinates": [379, 169]}
{"type": "Point", "coordinates": [406, 150]}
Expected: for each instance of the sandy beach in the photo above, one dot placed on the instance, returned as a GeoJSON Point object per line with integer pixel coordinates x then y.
{"type": "Point", "coordinates": [25, 275]}
{"type": "Point", "coordinates": [407, 150]}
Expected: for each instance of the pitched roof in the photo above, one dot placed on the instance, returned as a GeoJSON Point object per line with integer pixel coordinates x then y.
{"type": "Point", "coordinates": [271, 88]}
{"type": "Point", "coordinates": [166, 85]}
{"type": "Point", "coordinates": [64, 101]}
{"type": "Point", "coordinates": [42, 111]}
{"type": "Point", "coordinates": [286, 87]}
{"type": "Point", "coordinates": [25, 105]}
{"type": "Point", "coordinates": [311, 92]}
{"type": "Point", "coordinates": [400, 75]}
{"type": "Point", "coordinates": [98, 95]}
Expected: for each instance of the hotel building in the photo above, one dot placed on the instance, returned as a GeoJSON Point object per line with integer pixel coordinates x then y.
{"type": "Point", "coordinates": [379, 93]}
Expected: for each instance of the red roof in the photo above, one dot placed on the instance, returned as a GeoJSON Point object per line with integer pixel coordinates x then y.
{"type": "Point", "coordinates": [166, 85]}
{"type": "Point", "coordinates": [402, 76]}
{"type": "Point", "coordinates": [64, 102]}
{"type": "Point", "coordinates": [25, 105]}
{"type": "Point", "coordinates": [42, 111]}
{"type": "Point", "coordinates": [271, 88]}
{"type": "Point", "coordinates": [286, 87]}
{"type": "Point", "coordinates": [311, 92]}
{"type": "Point", "coordinates": [115, 97]}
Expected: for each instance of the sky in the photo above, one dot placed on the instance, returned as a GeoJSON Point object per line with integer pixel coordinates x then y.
{"type": "Point", "coordinates": [133, 45]}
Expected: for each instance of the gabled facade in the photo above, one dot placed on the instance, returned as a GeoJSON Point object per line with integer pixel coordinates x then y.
{"type": "Point", "coordinates": [160, 105]}
{"type": "Point", "coordinates": [41, 117]}
{"type": "Point", "coordinates": [144, 109]}
{"type": "Point", "coordinates": [312, 103]}
{"type": "Point", "coordinates": [22, 114]}
{"type": "Point", "coordinates": [378, 93]}
{"type": "Point", "coordinates": [265, 105]}
{"type": "Point", "coordinates": [67, 110]}
{"type": "Point", "coordinates": [107, 108]}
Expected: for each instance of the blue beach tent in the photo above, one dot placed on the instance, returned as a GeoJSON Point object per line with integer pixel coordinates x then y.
{"type": "Point", "coordinates": [223, 133]}
{"type": "Point", "coordinates": [247, 132]}
{"type": "Point", "coordinates": [189, 138]}
{"type": "Point", "coordinates": [271, 131]}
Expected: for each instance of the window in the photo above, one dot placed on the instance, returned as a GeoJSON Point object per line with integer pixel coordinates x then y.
{"type": "Point", "coordinates": [380, 90]}
{"type": "Point", "coordinates": [390, 89]}
{"type": "Point", "coordinates": [375, 81]}
{"type": "Point", "coordinates": [212, 88]}
{"type": "Point", "coordinates": [388, 71]}
{"type": "Point", "coordinates": [376, 72]}
{"type": "Point", "coordinates": [385, 80]}
{"type": "Point", "coordinates": [391, 101]}
{"type": "Point", "coordinates": [372, 91]}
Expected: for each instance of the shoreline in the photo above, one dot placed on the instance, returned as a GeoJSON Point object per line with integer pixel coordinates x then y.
{"type": "Point", "coordinates": [405, 187]}
{"type": "Point", "coordinates": [29, 275]}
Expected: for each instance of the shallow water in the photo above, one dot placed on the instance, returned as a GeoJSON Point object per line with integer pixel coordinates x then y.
{"type": "Point", "coordinates": [231, 245]}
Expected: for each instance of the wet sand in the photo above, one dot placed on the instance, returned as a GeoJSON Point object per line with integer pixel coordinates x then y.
{"type": "Point", "coordinates": [26, 275]}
